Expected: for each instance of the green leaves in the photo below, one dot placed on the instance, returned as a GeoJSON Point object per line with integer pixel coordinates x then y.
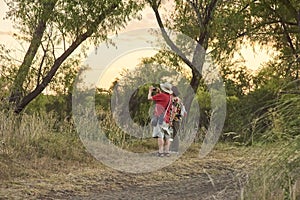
{"type": "Point", "coordinates": [55, 29]}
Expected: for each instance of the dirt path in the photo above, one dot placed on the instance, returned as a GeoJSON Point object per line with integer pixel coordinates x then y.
{"type": "Point", "coordinates": [220, 176]}
{"type": "Point", "coordinates": [225, 186]}
{"type": "Point", "coordinates": [193, 188]}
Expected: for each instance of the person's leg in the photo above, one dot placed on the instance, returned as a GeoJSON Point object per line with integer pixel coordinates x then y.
{"type": "Point", "coordinates": [160, 139]}
{"type": "Point", "coordinates": [160, 145]}
{"type": "Point", "coordinates": [167, 145]}
{"type": "Point", "coordinates": [174, 147]}
{"type": "Point", "coordinates": [175, 143]}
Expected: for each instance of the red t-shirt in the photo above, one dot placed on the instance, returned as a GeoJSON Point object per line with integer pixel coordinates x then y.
{"type": "Point", "coordinates": [161, 103]}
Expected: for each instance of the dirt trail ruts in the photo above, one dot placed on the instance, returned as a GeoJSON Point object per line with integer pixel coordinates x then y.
{"type": "Point", "coordinates": [222, 175]}
{"type": "Point", "coordinates": [194, 188]}
{"type": "Point", "coordinates": [226, 185]}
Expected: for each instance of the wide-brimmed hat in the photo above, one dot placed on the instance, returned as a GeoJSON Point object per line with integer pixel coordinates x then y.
{"type": "Point", "coordinates": [166, 87]}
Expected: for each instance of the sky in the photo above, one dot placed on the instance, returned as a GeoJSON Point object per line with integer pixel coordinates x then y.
{"type": "Point", "coordinates": [7, 30]}
{"type": "Point", "coordinates": [253, 57]}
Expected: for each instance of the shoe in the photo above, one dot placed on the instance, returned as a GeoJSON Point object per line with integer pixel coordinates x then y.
{"type": "Point", "coordinates": [160, 154]}
{"type": "Point", "coordinates": [167, 154]}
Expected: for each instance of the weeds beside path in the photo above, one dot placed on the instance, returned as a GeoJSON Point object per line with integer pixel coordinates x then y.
{"type": "Point", "coordinates": [221, 175]}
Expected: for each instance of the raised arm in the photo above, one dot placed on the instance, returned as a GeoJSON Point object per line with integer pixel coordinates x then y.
{"type": "Point", "coordinates": [150, 93]}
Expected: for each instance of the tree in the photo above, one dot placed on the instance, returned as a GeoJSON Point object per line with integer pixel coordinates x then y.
{"type": "Point", "coordinates": [56, 28]}
{"type": "Point", "coordinates": [209, 24]}
{"type": "Point", "coordinates": [277, 24]}
{"type": "Point", "coordinates": [221, 27]}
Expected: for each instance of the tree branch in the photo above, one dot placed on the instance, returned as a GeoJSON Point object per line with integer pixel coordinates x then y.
{"type": "Point", "coordinates": [196, 10]}
{"type": "Point", "coordinates": [57, 63]}
{"type": "Point", "coordinates": [167, 38]}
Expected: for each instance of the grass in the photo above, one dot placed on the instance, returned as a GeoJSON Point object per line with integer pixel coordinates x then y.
{"type": "Point", "coordinates": [277, 177]}
{"type": "Point", "coordinates": [37, 140]}
{"type": "Point", "coordinates": [39, 156]}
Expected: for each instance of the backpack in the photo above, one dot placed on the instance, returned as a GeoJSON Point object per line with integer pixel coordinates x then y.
{"type": "Point", "coordinates": [180, 109]}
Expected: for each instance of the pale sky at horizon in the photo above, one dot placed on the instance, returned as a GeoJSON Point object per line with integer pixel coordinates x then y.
{"type": "Point", "coordinates": [253, 60]}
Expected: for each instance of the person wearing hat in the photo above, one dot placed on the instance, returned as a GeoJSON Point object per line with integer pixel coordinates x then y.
{"type": "Point", "coordinates": [162, 108]}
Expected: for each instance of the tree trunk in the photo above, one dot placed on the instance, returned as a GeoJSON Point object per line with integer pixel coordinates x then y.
{"type": "Point", "coordinates": [28, 98]}
{"type": "Point", "coordinates": [81, 38]}
{"type": "Point", "coordinates": [17, 90]}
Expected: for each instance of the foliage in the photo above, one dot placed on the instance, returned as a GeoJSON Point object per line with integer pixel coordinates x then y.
{"type": "Point", "coordinates": [7, 70]}
{"type": "Point", "coordinates": [284, 116]}
{"type": "Point", "coordinates": [238, 80]}
{"type": "Point", "coordinates": [139, 105]}
{"type": "Point", "coordinates": [54, 30]}
{"type": "Point", "coordinates": [102, 99]}
{"type": "Point", "coordinates": [268, 113]}
{"type": "Point", "coordinates": [222, 27]}
{"type": "Point", "coordinates": [59, 105]}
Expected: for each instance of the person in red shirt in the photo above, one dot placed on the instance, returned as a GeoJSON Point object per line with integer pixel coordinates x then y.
{"type": "Point", "coordinates": [162, 113]}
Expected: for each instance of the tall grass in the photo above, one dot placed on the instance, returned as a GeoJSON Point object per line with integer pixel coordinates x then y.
{"type": "Point", "coordinates": [281, 121]}
{"type": "Point", "coordinates": [26, 138]}
{"type": "Point", "coordinates": [31, 137]}
{"type": "Point", "coordinates": [279, 178]}
{"type": "Point", "coordinates": [38, 135]}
